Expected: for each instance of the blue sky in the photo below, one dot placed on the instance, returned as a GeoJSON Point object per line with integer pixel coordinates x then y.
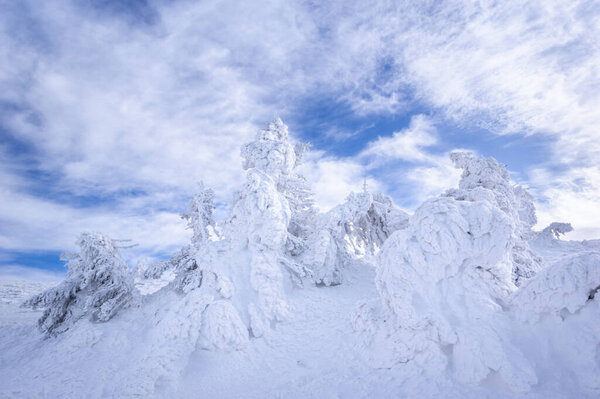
{"type": "Point", "coordinates": [111, 111]}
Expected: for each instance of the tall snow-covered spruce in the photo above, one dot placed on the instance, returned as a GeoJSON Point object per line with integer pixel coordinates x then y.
{"type": "Point", "coordinates": [244, 271]}
{"type": "Point", "coordinates": [98, 285]}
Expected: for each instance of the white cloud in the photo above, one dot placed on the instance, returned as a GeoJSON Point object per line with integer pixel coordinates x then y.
{"type": "Point", "coordinates": [332, 179]}
{"type": "Point", "coordinates": [433, 180]}
{"type": "Point", "coordinates": [408, 144]}
{"type": "Point", "coordinates": [32, 223]}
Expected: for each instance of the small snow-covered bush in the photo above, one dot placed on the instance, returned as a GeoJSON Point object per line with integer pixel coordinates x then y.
{"type": "Point", "coordinates": [555, 230]}
{"type": "Point", "coordinates": [98, 285]}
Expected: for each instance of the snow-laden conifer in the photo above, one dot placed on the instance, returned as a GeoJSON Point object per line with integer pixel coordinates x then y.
{"type": "Point", "coordinates": [199, 215]}
{"type": "Point", "coordinates": [98, 285]}
{"type": "Point", "coordinates": [442, 282]}
{"type": "Point", "coordinates": [485, 179]}
{"type": "Point", "coordinates": [351, 231]}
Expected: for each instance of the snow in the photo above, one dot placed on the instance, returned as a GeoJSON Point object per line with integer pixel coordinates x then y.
{"type": "Point", "coordinates": [459, 300]}
{"type": "Point", "coordinates": [315, 353]}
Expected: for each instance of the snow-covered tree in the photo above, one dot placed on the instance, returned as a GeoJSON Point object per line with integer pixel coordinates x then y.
{"type": "Point", "coordinates": [302, 204]}
{"type": "Point", "coordinates": [98, 285]}
{"type": "Point", "coordinates": [245, 270]}
{"type": "Point", "coordinates": [379, 222]}
{"type": "Point", "coordinates": [329, 251]}
{"type": "Point", "coordinates": [350, 231]}
{"type": "Point", "coordinates": [484, 179]}
{"type": "Point", "coordinates": [555, 230]}
{"type": "Point", "coordinates": [183, 262]}
{"type": "Point", "coordinates": [443, 281]}
{"type": "Point", "coordinates": [259, 222]}
{"type": "Point", "coordinates": [199, 215]}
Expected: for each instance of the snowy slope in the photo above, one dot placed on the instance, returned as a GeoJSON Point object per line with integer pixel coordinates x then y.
{"type": "Point", "coordinates": [12, 294]}
{"type": "Point", "coordinates": [314, 354]}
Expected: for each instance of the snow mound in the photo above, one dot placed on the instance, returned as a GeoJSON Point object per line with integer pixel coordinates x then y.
{"type": "Point", "coordinates": [561, 308]}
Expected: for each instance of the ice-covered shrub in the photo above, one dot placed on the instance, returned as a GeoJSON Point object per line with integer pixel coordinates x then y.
{"type": "Point", "coordinates": [98, 285]}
